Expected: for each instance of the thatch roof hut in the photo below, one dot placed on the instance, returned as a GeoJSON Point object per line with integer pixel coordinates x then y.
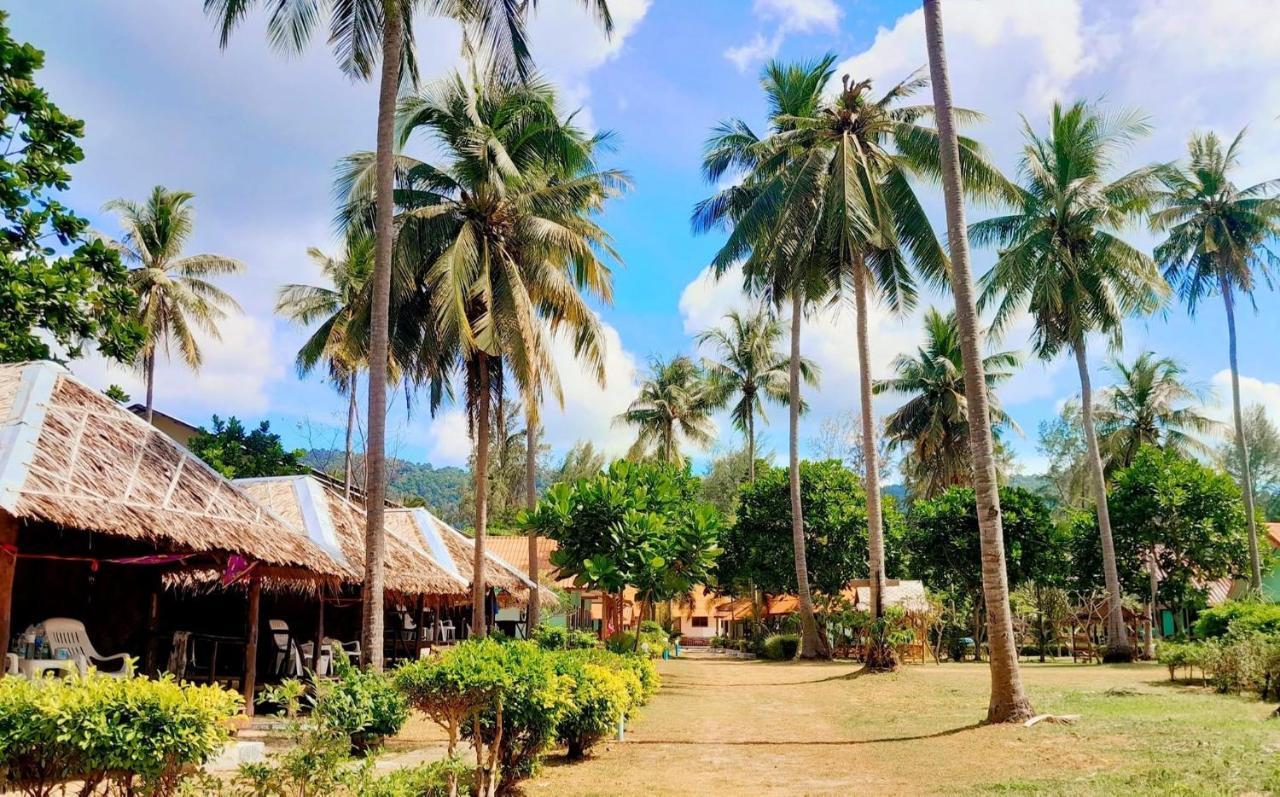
{"type": "Point", "coordinates": [444, 540]}
{"type": "Point", "coordinates": [69, 456]}
{"type": "Point", "coordinates": [337, 526]}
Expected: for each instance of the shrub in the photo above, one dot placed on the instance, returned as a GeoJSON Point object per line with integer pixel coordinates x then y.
{"type": "Point", "coordinates": [551, 637]}
{"type": "Point", "coordinates": [653, 641]}
{"type": "Point", "coordinates": [1177, 654]}
{"type": "Point", "coordinates": [599, 701]}
{"type": "Point", "coordinates": [1241, 616]}
{"type": "Point", "coordinates": [364, 706]}
{"type": "Point", "coordinates": [646, 674]}
{"type": "Point", "coordinates": [780, 647]}
{"type": "Point", "coordinates": [531, 705]}
{"type": "Point", "coordinates": [131, 734]}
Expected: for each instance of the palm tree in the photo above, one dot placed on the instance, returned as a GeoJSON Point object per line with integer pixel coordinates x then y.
{"type": "Point", "coordinates": [362, 33]}
{"type": "Point", "coordinates": [342, 311]}
{"type": "Point", "coordinates": [499, 246]}
{"type": "Point", "coordinates": [1219, 237]}
{"type": "Point", "coordinates": [933, 425]}
{"type": "Point", "coordinates": [1142, 409]}
{"type": "Point", "coordinates": [1008, 702]}
{"type": "Point", "coordinates": [175, 297]}
{"type": "Point", "coordinates": [854, 207]}
{"type": "Point", "coordinates": [775, 254]}
{"type": "Point", "coordinates": [1062, 258]}
{"type": "Point", "coordinates": [674, 406]}
{"type": "Point", "coordinates": [750, 367]}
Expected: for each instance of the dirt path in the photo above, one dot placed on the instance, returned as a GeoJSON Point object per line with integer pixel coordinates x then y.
{"type": "Point", "coordinates": [742, 727]}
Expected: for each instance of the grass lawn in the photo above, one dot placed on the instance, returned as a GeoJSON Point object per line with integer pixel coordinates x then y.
{"type": "Point", "coordinates": [745, 727]}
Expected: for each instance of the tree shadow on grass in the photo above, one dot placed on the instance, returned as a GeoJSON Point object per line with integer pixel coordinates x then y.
{"type": "Point", "coordinates": [806, 743]}
{"type": "Point", "coordinates": [846, 676]}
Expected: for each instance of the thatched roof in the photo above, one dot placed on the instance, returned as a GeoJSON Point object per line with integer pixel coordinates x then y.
{"type": "Point", "coordinates": [72, 457]}
{"type": "Point", "coordinates": [337, 527]}
{"type": "Point", "coordinates": [441, 538]}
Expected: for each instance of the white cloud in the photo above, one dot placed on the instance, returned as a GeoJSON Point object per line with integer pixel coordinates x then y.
{"type": "Point", "coordinates": [1252, 391]}
{"type": "Point", "coordinates": [235, 377]}
{"type": "Point", "coordinates": [447, 438]}
{"type": "Point", "coordinates": [589, 408]}
{"type": "Point", "coordinates": [787, 17]}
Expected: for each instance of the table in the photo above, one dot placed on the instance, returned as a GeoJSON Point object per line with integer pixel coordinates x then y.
{"type": "Point", "coordinates": [36, 668]}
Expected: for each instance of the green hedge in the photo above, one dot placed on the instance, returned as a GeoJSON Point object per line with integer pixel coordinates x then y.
{"type": "Point", "coordinates": [1238, 616]}
{"type": "Point", "coordinates": [780, 647]}
{"type": "Point", "coordinates": [133, 735]}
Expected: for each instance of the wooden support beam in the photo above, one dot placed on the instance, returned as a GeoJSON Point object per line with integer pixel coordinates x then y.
{"type": "Point", "coordinates": [153, 630]}
{"type": "Point", "coordinates": [251, 645]}
{"type": "Point", "coordinates": [315, 650]}
{"type": "Point", "coordinates": [8, 565]}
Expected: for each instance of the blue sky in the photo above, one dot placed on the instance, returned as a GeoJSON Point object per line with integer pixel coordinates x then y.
{"type": "Point", "coordinates": [256, 135]}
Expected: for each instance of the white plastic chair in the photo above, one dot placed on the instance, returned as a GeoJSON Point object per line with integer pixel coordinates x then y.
{"type": "Point", "coordinates": [289, 654]}
{"type": "Point", "coordinates": [70, 635]}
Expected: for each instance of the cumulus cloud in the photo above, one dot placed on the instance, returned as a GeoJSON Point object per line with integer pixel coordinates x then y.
{"type": "Point", "coordinates": [786, 17]}
{"type": "Point", "coordinates": [1252, 391]}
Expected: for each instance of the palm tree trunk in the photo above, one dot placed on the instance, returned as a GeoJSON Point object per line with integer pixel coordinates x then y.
{"type": "Point", "coordinates": [1150, 647]}
{"type": "Point", "coordinates": [751, 444]}
{"type": "Point", "coordinates": [871, 471]}
{"type": "Point", "coordinates": [481, 477]}
{"type": "Point", "coordinates": [149, 362]}
{"type": "Point", "coordinates": [531, 500]}
{"type": "Point", "coordinates": [375, 454]}
{"type": "Point", "coordinates": [1242, 445]}
{"type": "Point", "coordinates": [811, 646]}
{"type": "Point", "coordinates": [1118, 645]}
{"type": "Point", "coordinates": [1008, 702]}
{"type": "Point", "coordinates": [351, 430]}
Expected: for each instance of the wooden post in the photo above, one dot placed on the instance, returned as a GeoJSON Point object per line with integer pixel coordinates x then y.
{"type": "Point", "coordinates": [153, 630]}
{"type": "Point", "coordinates": [8, 564]}
{"type": "Point", "coordinates": [315, 650]}
{"type": "Point", "coordinates": [251, 646]}
{"type": "Point", "coordinates": [420, 636]}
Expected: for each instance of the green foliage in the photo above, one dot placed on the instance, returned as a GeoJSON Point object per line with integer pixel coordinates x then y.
{"type": "Point", "coordinates": [638, 524]}
{"type": "Point", "coordinates": [134, 733]}
{"type": "Point", "coordinates": [1187, 513]}
{"type": "Point", "coordinates": [238, 454]}
{"type": "Point", "coordinates": [598, 702]}
{"type": "Point", "coordinates": [722, 484]}
{"type": "Point", "coordinates": [1239, 617]}
{"type": "Point", "coordinates": [652, 642]}
{"type": "Point", "coordinates": [363, 706]}
{"type": "Point", "coordinates": [944, 543]}
{"type": "Point", "coordinates": [758, 549]}
{"type": "Point", "coordinates": [554, 637]}
{"type": "Point", "coordinates": [56, 281]}
{"type": "Point", "coordinates": [780, 647]}
{"type": "Point", "coordinates": [116, 394]}
{"type": "Point", "coordinates": [287, 694]}
{"type": "Point", "coordinates": [532, 705]}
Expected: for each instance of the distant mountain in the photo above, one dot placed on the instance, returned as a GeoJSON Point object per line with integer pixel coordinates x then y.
{"type": "Point", "coordinates": [439, 488]}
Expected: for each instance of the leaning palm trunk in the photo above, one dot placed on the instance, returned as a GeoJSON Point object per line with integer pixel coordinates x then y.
{"type": "Point", "coordinates": [1008, 701]}
{"type": "Point", "coordinates": [812, 645]}
{"type": "Point", "coordinates": [375, 454]}
{"type": "Point", "coordinates": [481, 477]}
{"type": "Point", "coordinates": [879, 657]}
{"type": "Point", "coordinates": [751, 442]}
{"type": "Point", "coordinates": [347, 462]}
{"type": "Point", "coordinates": [531, 499]}
{"type": "Point", "coordinates": [1118, 646]}
{"type": "Point", "coordinates": [1242, 446]}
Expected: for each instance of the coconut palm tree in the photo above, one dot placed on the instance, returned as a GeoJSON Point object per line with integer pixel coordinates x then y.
{"type": "Point", "coordinates": [342, 312]}
{"type": "Point", "coordinates": [933, 424]}
{"type": "Point", "coordinates": [1062, 258]}
{"type": "Point", "coordinates": [500, 247]}
{"type": "Point", "coordinates": [674, 407]}
{"type": "Point", "coordinates": [1150, 405]}
{"type": "Point", "coordinates": [1008, 702]}
{"type": "Point", "coordinates": [363, 34]}
{"type": "Point", "coordinates": [1220, 239]}
{"type": "Point", "coordinates": [853, 198]}
{"type": "Point", "coordinates": [775, 253]}
{"type": "Point", "coordinates": [175, 297]}
{"type": "Point", "coordinates": [749, 366]}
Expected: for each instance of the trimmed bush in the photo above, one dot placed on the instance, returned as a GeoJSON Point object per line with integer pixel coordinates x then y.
{"type": "Point", "coordinates": [364, 706]}
{"type": "Point", "coordinates": [552, 637]}
{"type": "Point", "coordinates": [134, 735]}
{"type": "Point", "coordinates": [598, 702]}
{"type": "Point", "coordinates": [780, 647]}
{"type": "Point", "coordinates": [1240, 616]}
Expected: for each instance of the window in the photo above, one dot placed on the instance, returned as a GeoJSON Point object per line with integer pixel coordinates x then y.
{"type": "Point", "coordinates": [699, 622]}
